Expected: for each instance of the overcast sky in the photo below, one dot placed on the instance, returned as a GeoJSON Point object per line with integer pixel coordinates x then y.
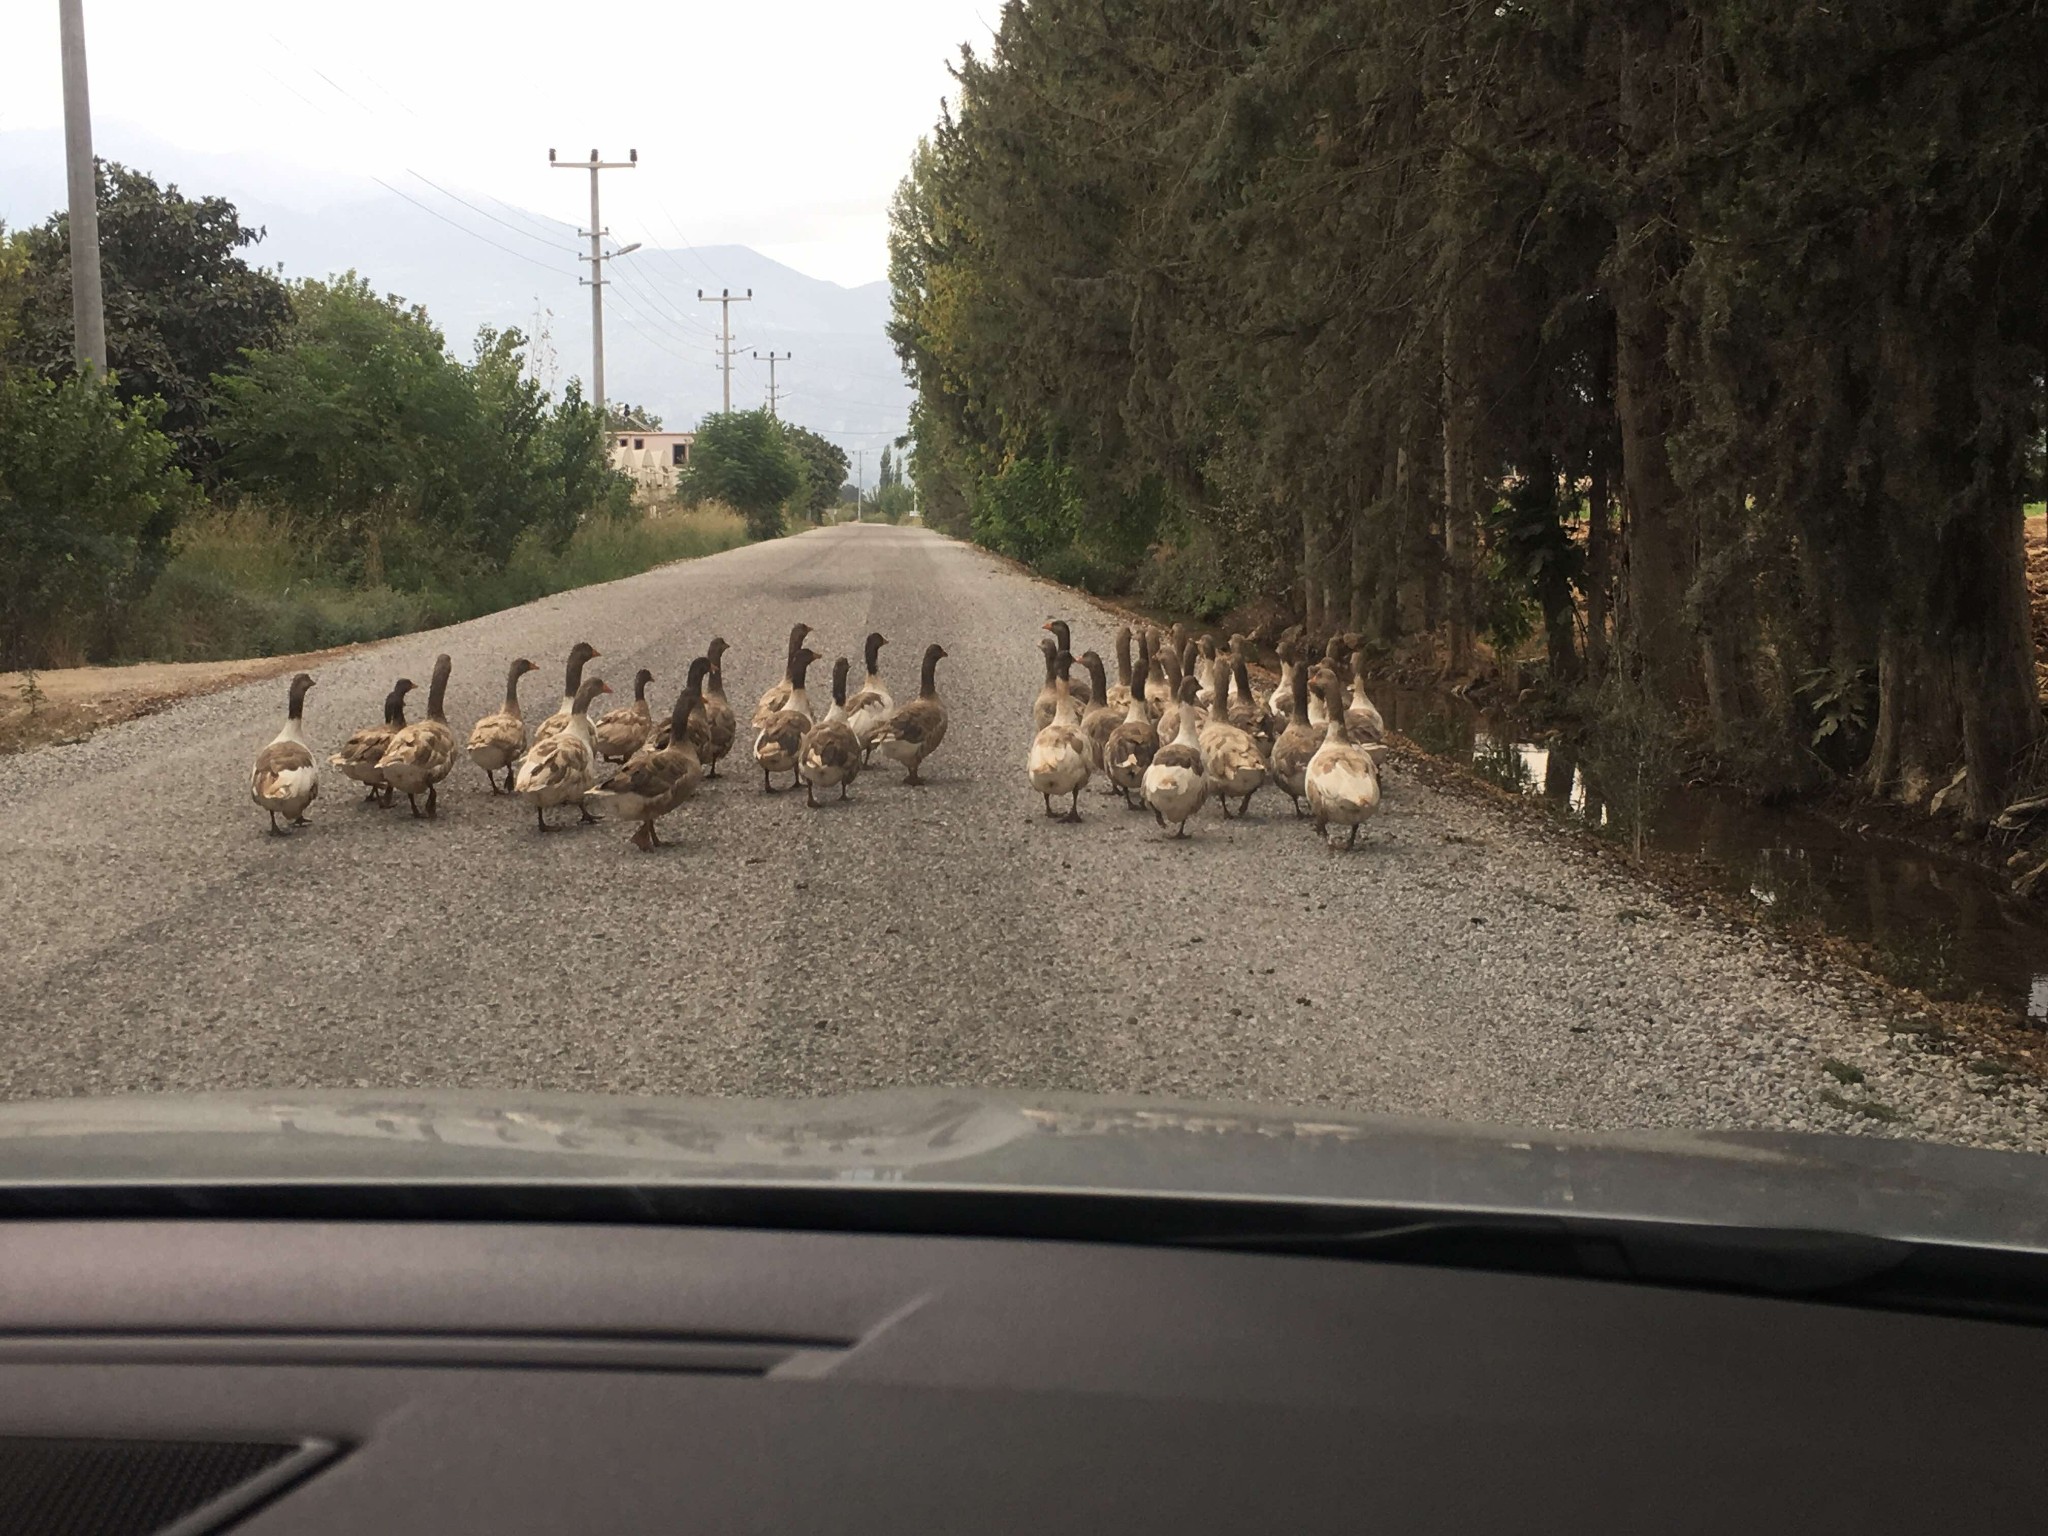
{"type": "Point", "coordinates": [780, 124]}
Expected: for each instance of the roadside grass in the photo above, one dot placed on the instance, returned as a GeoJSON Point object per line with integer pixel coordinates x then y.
{"type": "Point", "coordinates": [239, 585]}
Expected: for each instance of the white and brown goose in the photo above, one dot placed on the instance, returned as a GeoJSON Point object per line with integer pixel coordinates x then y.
{"type": "Point", "coordinates": [873, 703]}
{"type": "Point", "coordinates": [285, 779]}
{"type": "Point", "coordinates": [1063, 633]}
{"type": "Point", "coordinates": [581, 655]}
{"type": "Point", "coordinates": [360, 754]}
{"type": "Point", "coordinates": [1128, 751]}
{"type": "Point", "coordinates": [1100, 719]}
{"type": "Point", "coordinates": [657, 779]}
{"type": "Point", "coordinates": [498, 741]}
{"type": "Point", "coordinates": [1060, 760]}
{"type": "Point", "coordinates": [1230, 754]}
{"type": "Point", "coordinates": [563, 769]}
{"type": "Point", "coordinates": [776, 699]}
{"type": "Point", "coordinates": [1297, 743]}
{"type": "Point", "coordinates": [830, 757]}
{"type": "Point", "coordinates": [1175, 786]}
{"type": "Point", "coordinates": [1161, 691]}
{"type": "Point", "coordinates": [622, 732]}
{"type": "Point", "coordinates": [1363, 721]}
{"type": "Point", "coordinates": [1047, 699]}
{"type": "Point", "coordinates": [777, 748]}
{"type": "Point", "coordinates": [421, 755]}
{"type": "Point", "coordinates": [1118, 697]}
{"type": "Point", "coordinates": [1341, 784]}
{"type": "Point", "coordinates": [917, 729]}
{"type": "Point", "coordinates": [720, 724]}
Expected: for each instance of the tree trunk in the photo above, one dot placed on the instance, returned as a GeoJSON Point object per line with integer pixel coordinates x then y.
{"type": "Point", "coordinates": [1995, 651]}
{"type": "Point", "coordinates": [1599, 527]}
{"type": "Point", "coordinates": [1460, 496]}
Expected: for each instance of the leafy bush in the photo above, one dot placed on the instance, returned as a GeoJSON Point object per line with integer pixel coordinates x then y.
{"type": "Point", "coordinates": [1027, 510]}
{"type": "Point", "coordinates": [88, 497]}
{"type": "Point", "coordinates": [1088, 570]}
{"type": "Point", "coordinates": [742, 459]}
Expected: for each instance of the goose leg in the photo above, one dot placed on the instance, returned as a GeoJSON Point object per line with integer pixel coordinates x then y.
{"type": "Point", "coordinates": [1182, 830]}
{"type": "Point", "coordinates": [1160, 817]}
{"type": "Point", "coordinates": [275, 829]}
{"type": "Point", "coordinates": [409, 800]}
{"type": "Point", "coordinates": [810, 797]}
{"type": "Point", "coordinates": [1245, 804]}
{"type": "Point", "coordinates": [1048, 804]}
{"type": "Point", "coordinates": [767, 786]}
{"type": "Point", "coordinates": [592, 820]}
{"type": "Point", "coordinates": [540, 816]}
{"type": "Point", "coordinates": [300, 821]}
{"type": "Point", "coordinates": [842, 788]}
{"type": "Point", "coordinates": [433, 799]}
{"type": "Point", "coordinates": [1298, 812]}
{"type": "Point", "coordinates": [1074, 810]}
{"type": "Point", "coordinates": [1352, 840]}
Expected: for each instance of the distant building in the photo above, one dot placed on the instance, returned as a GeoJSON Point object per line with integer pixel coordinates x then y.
{"type": "Point", "coordinates": [652, 458]}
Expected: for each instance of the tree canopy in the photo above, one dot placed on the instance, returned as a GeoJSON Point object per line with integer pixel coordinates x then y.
{"type": "Point", "coordinates": [182, 301]}
{"type": "Point", "coordinates": [742, 459]}
{"type": "Point", "coordinates": [1702, 338]}
{"type": "Point", "coordinates": [824, 470]}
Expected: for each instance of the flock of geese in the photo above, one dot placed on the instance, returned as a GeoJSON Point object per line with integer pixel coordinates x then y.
{"type": "Point", "coordinates": [1181, 725]}
{"type": "Point", "coordinates": [1173, 731]}
{"type": "Point", "coordinates": [659, 763]}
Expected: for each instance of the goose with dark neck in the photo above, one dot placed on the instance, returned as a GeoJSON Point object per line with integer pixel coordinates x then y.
{"type": "Point", "coordinates": [421, 755]}
{"type": "Point", "coordinates": [1230, 754]}
{"type": "Point", "coordinates": [1175, 786]}
{"type": "Point", "coordinates": [657, 779]}
{"type": "Point", "coordinates": [1058, 763]}
{"type": "Point", "coordinates": [580, 656]}
{"type": "Point", "coordinates": [873, 703]}
{"type": "Point", "coordinates": [1047, 699]}
{"type": "Point", "coordinates": [914, 732]}
{"type": "Point", "coordinates": [1063, 632]}
{"type": "Point", "coordinates": [776, 699]}
{"type": "Point", "coordinates": [563, 768]}
{"type": "Point", "coordinates": [830, 756]}
{"type": "Point", "coordinates": [360, 754]}
{"type": "Point", "coordinates": [1129, 750]}
{"type": "Point", "coordinates": [1100, 719]}
{"type": "Point", "coordinates": [622, 732]}
{"type": "Point", "coordinates": [776, 749]}
{"type": "Point", "coordinates": [285, 779]}
{"type": "Point", "coordinates": [720, 724]}
{"type": "Point", "coordinates": [1341, 783]}
{"type": "Point", "coordinates": [1297, 742]}
{"type": "Point", "coordinates": [497, 741]}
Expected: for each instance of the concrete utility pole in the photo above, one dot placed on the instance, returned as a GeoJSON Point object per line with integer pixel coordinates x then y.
{"type": "Point", "coordinates": [88, 304]}
{"type": "Point", "coordinates": [771, 360]}
{"type": "Point", "coordinates": [725, 298]}
{"type": "Point", "coordinates": [597, 258]}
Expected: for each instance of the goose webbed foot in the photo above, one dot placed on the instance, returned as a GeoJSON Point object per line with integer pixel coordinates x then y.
{"type": "Point", "coordinates": [587, 817]}
{"type": "Point", "coordinates": [409, 800]}
{"type": "Point", "coordinates": [300, 821]}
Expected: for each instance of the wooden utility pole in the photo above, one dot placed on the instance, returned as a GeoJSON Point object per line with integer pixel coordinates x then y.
{"type": "Point", "coordinates": [88, 305]}
{"type": "Point", "coordinates": [597, 259]}
{"type": "Point", "coordinates": [771, 360]}
{"type": "Point", "coordinates": [725, 298]}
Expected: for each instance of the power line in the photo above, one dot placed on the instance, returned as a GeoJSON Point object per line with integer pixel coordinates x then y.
{"type": "Point", "coordinates": [472, 207]}
{"type": "Point", "coordinates": [454, 224]}
{"type": "Point", "coordinates": [654, 297]}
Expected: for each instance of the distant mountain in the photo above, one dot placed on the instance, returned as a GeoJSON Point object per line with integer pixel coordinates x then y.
{"type": "Point", "coordinates": [509, 267]}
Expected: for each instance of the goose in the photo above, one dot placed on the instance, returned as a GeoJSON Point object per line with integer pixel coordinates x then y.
{"type": "Point", "coordinates": [497, 741]}
{"type": "Point", "coordinates": [720, 724]}
{"type": "Point", "coordinates": [1204, 669]}
{"type": "Point", "coordinates": [285, 779]}
{"type": "Point", "coordinates": [1175, 785]}
{"type": "Point", "coordinates": [359, 754]}
{"type": "Point", "coordinates": [1244, 711]}
{"type": "Point", "coordinates": [1280, 703]}
{"type": "Point", "coordinates": [831, 751]}
{"type": "Point", "coordinates": [1169, 716]}
{"type": "Point", "coordinates": [1128, 752]}
{"type": "Point", "coordinates": [1230, 755]}
{"type": "Point", "coordinates": [782, 733]}
{"type": "Point", "coordinates": [1160, 691]}
{"type": "Point", "coordinates": [1297, 743]}
{"type": "Point", "coordinates": [622, 732]}
{"type": "Point", "coordinates": [1047, 701]}
{"type": "Point", "coordinates": [1336, 657]}
{"type": "Point", "coordinates": [696, 729]}
{"type": "Point", "coordinates": [1063, 632]}
{"type": "Point", "coordinates": [580, 656]}
{"type": "Point", "coordinates": [563, 767]}
{"type": "Point", "coordinates": [1059, 761]}
{"type": "Point", "coordinates": [1362, 719]}
{"type": "Point", "coordinates": [1341, 783]}
{"type": "Point", "coordinates": [873, 704]}
{"type": "Point", "coordinates": [657, 779]}
{"type": "Point", "coordinates": [421, 755]}
{"type": "Point", "coordinates": [916, 730]}
{"type": "Point", "coordinates": [776, 699]}
{"type": "Point", "coordinates": [1098, 722]}
{"type": "Point", "coordinates": [1119, 697]}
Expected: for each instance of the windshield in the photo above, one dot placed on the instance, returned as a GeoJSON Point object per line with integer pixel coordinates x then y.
{"type": "Point", "coordinates": [1482, 564]}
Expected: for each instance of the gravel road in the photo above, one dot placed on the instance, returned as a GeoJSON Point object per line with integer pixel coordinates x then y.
{"type": "Point", "coordinates": [160, 939]}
